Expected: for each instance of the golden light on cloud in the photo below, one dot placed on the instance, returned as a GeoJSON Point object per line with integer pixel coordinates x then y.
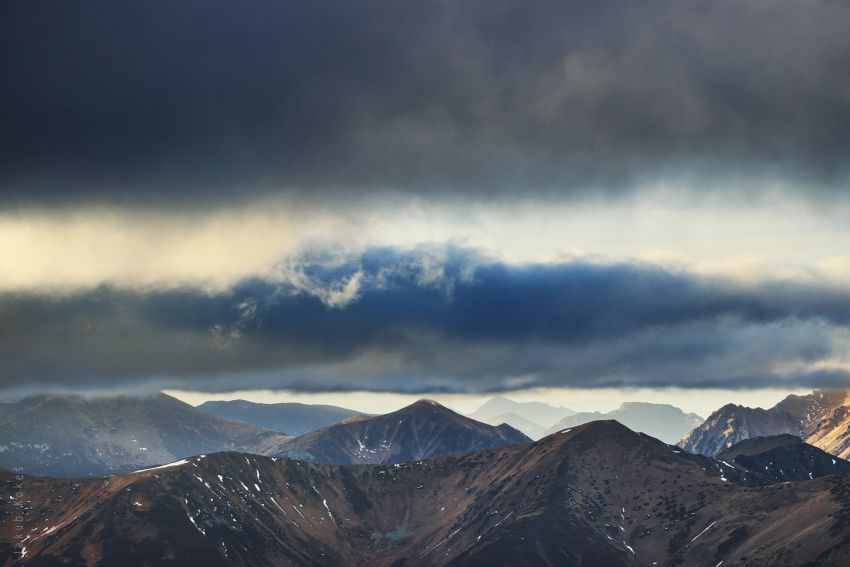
{"type": "Point", "coordinates": [211, 251]}
{"type": "Point", "coordinates": [214, 249]}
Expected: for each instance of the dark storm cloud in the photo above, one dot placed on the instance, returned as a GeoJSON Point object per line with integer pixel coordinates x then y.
{"type": "Point", "coordinates": [446, 319]}
{"type": "Point", "coordinates": [125, 101]}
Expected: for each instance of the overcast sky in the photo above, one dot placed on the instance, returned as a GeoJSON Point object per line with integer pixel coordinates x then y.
{"type": "Point", "coordinates": [426, 198]}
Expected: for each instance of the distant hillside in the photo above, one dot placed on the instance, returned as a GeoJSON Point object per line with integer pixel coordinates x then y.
{"type": "Point", "coordinates": [820, 418]}
{"type": "Point", "coordinates": [662, 421]}
{"type": "Point", "coordinates": [289, 418]}
{"type": "Point", "coordinates": [76, 436]}
{"type": "Point", "coordinates": [537, 413]}
{"type": "Point", "coordinates": [419, 431]}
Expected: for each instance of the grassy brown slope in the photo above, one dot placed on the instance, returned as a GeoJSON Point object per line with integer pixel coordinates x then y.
{"type": "Point", "coordinates": [596, 495]}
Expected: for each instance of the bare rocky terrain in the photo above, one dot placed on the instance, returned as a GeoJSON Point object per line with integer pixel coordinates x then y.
{"type": "Point", "coordinates": [598, 494]}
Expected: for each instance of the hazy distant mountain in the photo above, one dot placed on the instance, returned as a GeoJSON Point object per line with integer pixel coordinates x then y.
{"type": "Point", "coordinates": [533, 430]}
{"type": "Point", "coordinates": [818, 418]}
{"type": "Point", "coordinates": [289, 418]}
{"type": "Point", "coordinates": [538, 413]}
{"type": "Point", "coordinates": [77, 436]}
{"type": "Point", "coordinates": [422, 430]}
{"type": "Point", "coordinates": [784, 457]}
{"type": "Point", "coordinates": [598, 495]}
{"type": "Point", "coordinates": [662, 421]}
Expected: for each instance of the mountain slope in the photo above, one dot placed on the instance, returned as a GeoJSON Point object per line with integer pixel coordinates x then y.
{"type": "Point", "coordinates": [818, 418]}
{"type": "Point", "coordinates": [832, 432]}
{"type": "Point", "coordinates": [78, 436]}
{"type": "Point", "coordinates": [419, 431]}
{"type": "Point", "coordinates": [732, 424]}
{"type": "Point", "coordinates": [597, 495]}
{"type": "Point", "coordinates": [784, 457]}
{"type": "Point", "coordinates": [661, 421]}
{"type": "Point", "coordinates": [289, 418]}
{"type": "Point", "coordinates": [535, 412]}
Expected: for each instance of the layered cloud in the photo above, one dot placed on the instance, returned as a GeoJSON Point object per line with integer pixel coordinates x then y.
{"type": "Point", "coordinates": [424, 196]}
{"type": "Point", "coordinates": [438, 319]}
{"type": "Point", "coordinates": [202, 104]}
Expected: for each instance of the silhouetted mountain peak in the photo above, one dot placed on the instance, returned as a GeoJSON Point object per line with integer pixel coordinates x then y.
{"type": "Point", "coordinates": [602, 430]}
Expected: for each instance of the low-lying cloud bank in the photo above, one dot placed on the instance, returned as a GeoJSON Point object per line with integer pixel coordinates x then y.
{"type": "Point", "coordinates": [433, 319]}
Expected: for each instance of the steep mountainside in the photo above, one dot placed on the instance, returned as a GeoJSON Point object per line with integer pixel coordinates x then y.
{"type": "Point", "coordinates": [818, 418]}
{"type": "Point", "coordinates": [77, 436]}
{"type": "Point", "coordinates": [422, 430]}
{"type": "Point", "coordinates": [289, 418]}
{"type": "Point", "coordinates": [832, 432]}
{"type": "Point", "coordinates": [809, 410]}
{"type": "Point", "coordinates": [783, 457]}
{"type": "Point", "coordinates": [538, 413]}
{"type": "Point", "coordinates": [661, 421]}
{"type": "Point", "coordinates": [732, 424]}
{"type": "Point", "coordinates": [531, 429]}
{"type": "Point", "coordinates": [597, 495]}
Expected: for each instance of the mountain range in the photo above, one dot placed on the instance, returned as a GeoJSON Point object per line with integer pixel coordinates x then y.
{"type": "Point", "coordinates": [69, 435]}
{"type": "Point", "coordinates": [532, 418]}
{"type": "Point", "coordinates": [661, 421]}
{"type": "Point", "coordinates": [289, 418]}
{"type": "Point", "coordinates": [597, 494]}
{"type": "Point", "coordinates": [422, 430]}
{"type": "Point", "coordinates": [821, 418]}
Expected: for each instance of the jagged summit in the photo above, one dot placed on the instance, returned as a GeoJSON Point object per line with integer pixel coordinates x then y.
{"type": "Point", "coordinates": [818, 418]}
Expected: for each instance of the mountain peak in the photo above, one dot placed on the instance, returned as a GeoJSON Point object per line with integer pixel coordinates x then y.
{"type": "Point", "coordinates": [425, 406]}
{"type": "Point", "coordinates": [421, 430]}
{"type": "Point", "coordinates": [602, 428]}
{"type": "Point", "coordinates": [426, 402]}
{"type": "Point", "coordinates": [816, 417]}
